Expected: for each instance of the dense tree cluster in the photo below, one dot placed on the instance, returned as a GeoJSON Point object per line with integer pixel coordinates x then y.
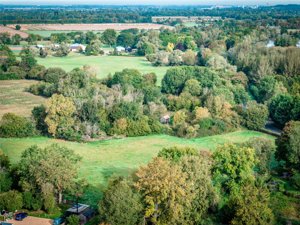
{"type": "Point", "coordinates": [38, 180]}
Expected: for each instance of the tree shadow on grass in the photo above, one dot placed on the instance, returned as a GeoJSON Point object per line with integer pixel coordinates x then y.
{"type": "Point", "coordinates": [92, 194]}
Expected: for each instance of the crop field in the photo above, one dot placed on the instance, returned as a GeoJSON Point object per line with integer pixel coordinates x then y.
{"type": "Point", "coordinates": [104, 65]}
{"type": "Point", "coordinates": [14, 98]}
{"type": "Point", "coordinates": [90, 27]}
{"type": "Point", "coordinates": [102, 159]}
{"type": "Point", "coordinates": [12, 31]}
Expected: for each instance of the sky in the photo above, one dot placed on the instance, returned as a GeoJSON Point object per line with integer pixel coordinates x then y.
{"type": "Point", "coordinates": [154, 2]}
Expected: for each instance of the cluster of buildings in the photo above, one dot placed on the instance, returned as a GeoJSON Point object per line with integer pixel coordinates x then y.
{"type": "Point", "coordinates": [159, 19]}
{"type": "Point", "coordinates": [81, 48]}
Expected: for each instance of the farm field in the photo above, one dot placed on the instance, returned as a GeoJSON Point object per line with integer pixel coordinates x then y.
{"type": "Point", "coordinates": [91, 27]}
{"type": "Point", "coordinates": [12, 31]}
{"type": "Point", "coordinates": [104, 64]}
{"type": "Point", "coordinates": [101, 159]}
{"type": "Point", "coordinates": [47, 33]}
{"type": "Point", "coordinates": [14, 98]}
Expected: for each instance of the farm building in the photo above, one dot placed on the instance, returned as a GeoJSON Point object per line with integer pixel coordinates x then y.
{"type": "Point", "coordinates": [84, 212]}
{"type": "Point", "coordinates": [165, 119]}
{"type": "Point", "coordinates": [77, 47]}
{"type": "Point", "coordinates": [40, 46]}
{"type": "Point", "coordinates": [270, 44]}
{"type": "Point", "coordinates": [120, 49]}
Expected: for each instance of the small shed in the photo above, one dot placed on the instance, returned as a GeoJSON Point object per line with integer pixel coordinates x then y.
{"type": "Point", "coordinates": [77, 47]}
{"type": "Point", "coordinates": [120, 49]}
{"type": "Point", "coordinates": [40, 46]}
{"type": "Point", "coordinates": [270, 44]}
{"type": "Point", "coordinates": [165, 119]}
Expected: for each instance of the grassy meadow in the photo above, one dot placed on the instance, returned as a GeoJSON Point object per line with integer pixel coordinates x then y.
{"type": "Point", "coordinates": [14, 98]}
{"type": "Point", "coordinates": [104, 65]}
{"type": "Point", "coordinates": [101, 159]}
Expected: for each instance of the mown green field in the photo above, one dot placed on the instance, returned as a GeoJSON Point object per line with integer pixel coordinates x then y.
{"type": "Point", "coordinates": [101, 159]}
{"type": "Point", "coordinates": [104, 65]}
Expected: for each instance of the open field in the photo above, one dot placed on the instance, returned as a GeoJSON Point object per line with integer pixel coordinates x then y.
{"type": "Point", "coordinates": [101, 159]}
{"type": "Point", "coordinates": [103, 64]}
{"type": "Point", "coordinates": [47, 33]}
{"type": "Point", "coordinates": [92, 27]}
{"type": "Point", "coordinates": [12, 31]}
{"type": "Point", "coordinates": [14, 98]}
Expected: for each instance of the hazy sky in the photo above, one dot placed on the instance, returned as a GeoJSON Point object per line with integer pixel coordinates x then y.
{"type": "Point", "coordinates": [154, 2]}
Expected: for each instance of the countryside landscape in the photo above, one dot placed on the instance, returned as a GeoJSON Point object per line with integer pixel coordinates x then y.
{"type": "Point", "coordinates": [150, 113]}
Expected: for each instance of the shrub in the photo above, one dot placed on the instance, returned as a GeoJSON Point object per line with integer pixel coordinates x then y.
{"type": "Point", "coordinates": [16, 71]}
{"type": "Point", "coordinates": [176, 153]}
{"type": "Point", "coordinates": [53, 75]}
{"type": "Point", "coordinates": [139, 127]}
{"type": "Point", "coordinates": [9, 76]}
{"type": "Point", "coordinates": [255, 116]}
{"type": "Point", "coordinates": [5, 181]}
{"type": "Point", "coordinates": [11, 201]}
{"type": "Point", "coordinates": [73, 220]}
{"type": "Point", "coordinates": [12, 125]}
{"type": "Point", "coordinates": [296, 180]}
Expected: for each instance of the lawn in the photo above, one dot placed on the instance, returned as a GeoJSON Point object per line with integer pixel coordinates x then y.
{"type": "Point", "coordinates": [14, 98]}
{"type": "Point", "coordinates": [104, 65]}
{"type": "Point", "coordinates": [101, 159]}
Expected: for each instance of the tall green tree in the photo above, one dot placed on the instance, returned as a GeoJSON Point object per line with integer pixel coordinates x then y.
{"type": "Point", "coordinates": [288, 145]}
{"type": "Point", "coordinates": [198, 169]}
{"type": "Point", "coordinates": [232, 166]}
{"type": "Point", "coordinates": [121, 204]}
{"type": "Point", "coordinates": [109, 37]}
{"type": "Point", "coordinates": [251, 206]}
{"type": "Point", "coordinates": [54, 165]}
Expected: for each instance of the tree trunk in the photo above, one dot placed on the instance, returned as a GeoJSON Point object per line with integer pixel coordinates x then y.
{"type": "Point", "coordinates": [60, 197]}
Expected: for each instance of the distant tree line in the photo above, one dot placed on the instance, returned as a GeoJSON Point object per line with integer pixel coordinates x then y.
{"type": "Point", "coordinates": [140, 14]}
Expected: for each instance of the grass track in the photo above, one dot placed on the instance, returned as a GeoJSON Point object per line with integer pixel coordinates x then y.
{"type": "Point", "coordinates": [101, 159]}
{"type": "Point", "coordinates": [14, 98]}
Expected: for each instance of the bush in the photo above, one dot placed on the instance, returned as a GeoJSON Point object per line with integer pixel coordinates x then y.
{"type": "Point", "coordinates": [5, 181]}
{"type": "Point", "coordinates": [138, 128]}
{"type": "Point", "coordinates": [73, 220]}
{"type": "Point", "coordinates": [296, 180]}
{"type": "Point", "coordinates": [255, 116]}
{"type": "Point", "coordinates": [53, 75]}
{"type": "Point", "coordinates": [9, 76]}
{"type": "Point", "coordinates": [176, 153]}
{"type": "Point", "coordinates": [12, 125]}
{"type": "Point", "coordinates": [209, 126]}
{"type": "Point", "coordinates": [49, 203]}
{"type": "Point", "coordinates": [11, 201]}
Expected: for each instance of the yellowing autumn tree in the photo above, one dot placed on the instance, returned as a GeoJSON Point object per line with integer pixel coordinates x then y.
{"type": "Point", "coordinates": [166, 191]}
{"type": "Point", "coordinates": [170, 47]}
{"type": "Point", "coordinates": [59, 111]}
{"type": "Point", "coordinates": [201, 113]}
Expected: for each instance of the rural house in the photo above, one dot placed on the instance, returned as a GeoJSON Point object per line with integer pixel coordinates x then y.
{"type": "Point", "coordinates": [77, 47]}
{"type": "Point", "coordinates": [120, 49]}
